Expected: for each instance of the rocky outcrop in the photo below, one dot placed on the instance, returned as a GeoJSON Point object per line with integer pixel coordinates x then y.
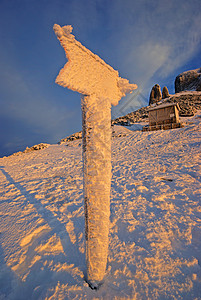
{"type": "Point", "coordinates": [33, 148]}
{"type": "Point", "coordinates": [140, 115]}
{"type": "Point", "coordinates": [72, 137]}
{"type": "Point", "coordinates": [189, 103]}
{"type": "Point", "coordinates": [36, 147]}
{"type": "Point", "coordinates": [165, 93]}
{"type": "Point", "coordinates": [155, 94]}
{"type": "Point", "coordinates": [188, 81]}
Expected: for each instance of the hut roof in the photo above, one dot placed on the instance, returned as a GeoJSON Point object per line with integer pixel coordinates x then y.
{"type": "Point", "coordinates": [163, 106]}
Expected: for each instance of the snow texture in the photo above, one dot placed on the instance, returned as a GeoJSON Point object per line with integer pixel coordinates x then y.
{"type": "Point", "coordinates": [155, 219]}
{"type": "Point", "coordinates": [97, 182]}
{"type": "Point", "coordinates": [89, 75]}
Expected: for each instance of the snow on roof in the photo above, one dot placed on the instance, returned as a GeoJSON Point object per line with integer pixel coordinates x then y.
{"type": "Point", "coordinates": [163, 106]}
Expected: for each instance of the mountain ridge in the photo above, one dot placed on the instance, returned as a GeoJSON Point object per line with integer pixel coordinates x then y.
{"type": "Point", "coordinates": [189, 102]}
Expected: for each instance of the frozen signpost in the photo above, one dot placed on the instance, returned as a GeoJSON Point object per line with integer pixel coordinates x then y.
{"type": "Point", "coordinates": [101, 87]}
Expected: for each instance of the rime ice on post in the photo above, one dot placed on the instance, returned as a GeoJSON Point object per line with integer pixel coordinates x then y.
{"type": "Point", "coordinates": [101, 87]}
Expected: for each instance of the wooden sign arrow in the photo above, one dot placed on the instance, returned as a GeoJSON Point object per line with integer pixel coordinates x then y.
{"type": "Point", "coordinates": [101, 87]}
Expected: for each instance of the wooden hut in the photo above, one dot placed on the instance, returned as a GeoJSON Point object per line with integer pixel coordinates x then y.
{"type": "Point", "coordinates": [163, 116]}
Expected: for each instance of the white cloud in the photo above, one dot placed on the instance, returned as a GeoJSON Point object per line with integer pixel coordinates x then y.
{"type": "Point", "coordinates": [156, 38]}
{"type": "Point", "coordinates": [156, 35]}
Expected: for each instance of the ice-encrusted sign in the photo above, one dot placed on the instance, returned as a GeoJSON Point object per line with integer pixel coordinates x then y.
{"type": "Point", "coordinates": [101, 87]}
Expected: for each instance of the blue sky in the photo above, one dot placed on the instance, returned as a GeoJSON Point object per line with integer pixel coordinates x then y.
{"type": "Point", "coordinates": [147, 41]}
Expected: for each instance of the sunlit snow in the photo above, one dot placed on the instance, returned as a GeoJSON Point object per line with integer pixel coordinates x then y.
{"type": "Point", "coordinates": [155, 221]}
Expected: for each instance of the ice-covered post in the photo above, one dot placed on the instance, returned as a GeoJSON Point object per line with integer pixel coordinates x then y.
{"type": "Point", "coordinates": [101, 87]}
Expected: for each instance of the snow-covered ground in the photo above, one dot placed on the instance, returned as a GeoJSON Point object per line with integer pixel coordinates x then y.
{"type": "Point", "coordinates": [155, 231]}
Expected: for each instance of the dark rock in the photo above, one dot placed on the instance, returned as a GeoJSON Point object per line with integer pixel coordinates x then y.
{"type": "Point", "coordinates": [165, 93]}
{"type": "Point", "coordinates": [189, 103]}
{"type": "Point", "coordinates": [155, 95]}
{"type": "Point", "coordinates": [36, 147]}
{"type": "Point", "coordinates": [188, 81]}
{"type": "Point", "coordinates": [152, 97]}
{"type": "Point", "coordinates": [33, 148]}
{"type": "Point", "coordinates": [72, 137]}
{"type": "Point", "coordinates": [140, 115]}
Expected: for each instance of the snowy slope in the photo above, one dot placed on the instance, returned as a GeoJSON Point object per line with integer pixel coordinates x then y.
{"type": "Point", "coordinates": [155, 231]}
